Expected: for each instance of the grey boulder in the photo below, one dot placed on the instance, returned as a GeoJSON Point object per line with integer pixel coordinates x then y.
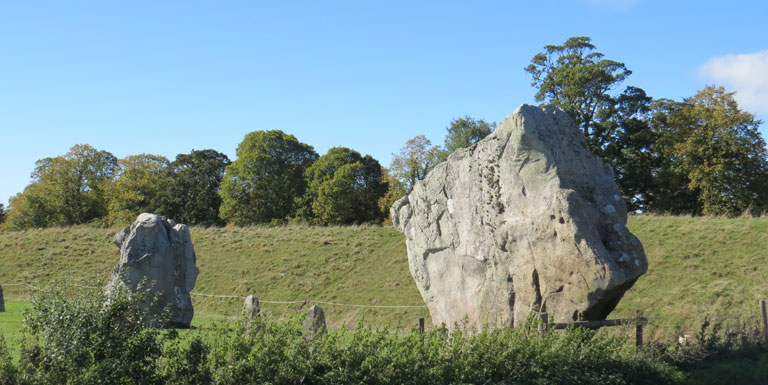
{"type": "Point", "coordinates": [158, 253]}
{"type": "Point", "coordinates": [526, 220]}
{"type": "Point", "coordinates": [314, 323]}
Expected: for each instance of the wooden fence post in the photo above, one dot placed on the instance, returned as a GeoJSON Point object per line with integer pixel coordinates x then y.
{"type": "Point", "coordinates": [421, 325]}
{"type": "Point", "coordinates": [2, 301]}
{"type": "Point", "coordinates": [639, 322]}
{"type": "Point", "coordinates": [765, 321]}
{"type": "Point", "coordinates": [544, 325]}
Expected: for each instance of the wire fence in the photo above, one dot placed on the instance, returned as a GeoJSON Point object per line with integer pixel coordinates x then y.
{"type": "Point", "coordinates": [304, 301]}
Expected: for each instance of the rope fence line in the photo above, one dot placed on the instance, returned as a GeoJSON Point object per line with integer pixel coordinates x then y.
{"type": "Point", "coordinates": [19, 284]}
{"type": "Point", "coordinates": [260, 300]}
{"type": "Point", "coordinates": [312, 301]}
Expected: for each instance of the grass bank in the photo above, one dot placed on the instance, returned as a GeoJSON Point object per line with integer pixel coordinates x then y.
{"type": "Point", "coordinates": [699, 268]}
{"type": "Point", "coordinates": [348, 265]}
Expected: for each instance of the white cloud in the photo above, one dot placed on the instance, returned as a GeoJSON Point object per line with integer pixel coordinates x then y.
{"type": "Point", "coordinates": [746, 74]}
{"type": "Point", "coordinates": [614, 5]}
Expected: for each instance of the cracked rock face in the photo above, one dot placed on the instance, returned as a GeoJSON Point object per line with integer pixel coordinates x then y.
{"type": "Point", "coordinates": [526, 219]}
{"type": "Point", "coordinates": [158, 252]}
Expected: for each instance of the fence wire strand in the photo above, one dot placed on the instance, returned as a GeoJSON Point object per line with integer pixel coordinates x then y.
{"type": "Point", "coordinates": [260, 300]}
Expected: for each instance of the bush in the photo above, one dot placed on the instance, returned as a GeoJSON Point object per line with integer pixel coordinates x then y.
{"type": "Point", "coordinates": [7, 370]}
{"type": "Point", "coordinates": [88, 338]}
{"type": "Point", "coordinates": [264, 352]}
{"type": "Point", "coordinates": [186, 362]}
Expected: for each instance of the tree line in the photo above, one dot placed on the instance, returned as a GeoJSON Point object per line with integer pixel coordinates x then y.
{"type": "Point", "coordinates": [701, 155]}
{"type": "Point", "coordinates": [275, 179]}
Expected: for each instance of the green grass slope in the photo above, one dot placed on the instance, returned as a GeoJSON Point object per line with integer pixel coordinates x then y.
{"type": "Point", "coordinates": [699, 267]}
{"type": "Point", "coordinates": [348, 265]}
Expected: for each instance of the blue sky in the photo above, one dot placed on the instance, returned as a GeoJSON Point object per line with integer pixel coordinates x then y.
{"type": "Point", "coordinates": [166, 77]}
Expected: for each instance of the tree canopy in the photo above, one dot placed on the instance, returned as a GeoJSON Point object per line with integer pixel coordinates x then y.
{"type": "Point", "coordinates": [413, 162]}
{"type": "Point", "coordinates": [192, 185]}
{"type": "Point", "coordinates": [65, 190]}
{"type": "Point", "coordinates": [700, 156]}
{"type": "Point", "coordinates": [343, 187]}
{"type": "Point", "coordinates": [464, 132]}
{"type": "Point", "coordinates": [716, 149]}
{"type": "Point", "coordinates": [136, 187]}
{"type": "Point", "coordinates": [579, 80]}
{"type": "Point", "coordinates": [265, 180]}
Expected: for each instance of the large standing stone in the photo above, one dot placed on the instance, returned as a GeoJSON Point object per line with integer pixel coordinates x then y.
{"type": "Point", "coordinates": [158, 252]}
{"type": "Point", "coordinates": [2, 301]}
{"type": "Point", "coordinates": [526, 219]}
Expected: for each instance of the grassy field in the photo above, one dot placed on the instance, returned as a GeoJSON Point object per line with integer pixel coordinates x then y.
{"type": "Point", "coordinates": [10, 324]}
{"type": "Point", "coordinates": [350, 265]}
{"type": "Point", "coordinates": [699, 267]}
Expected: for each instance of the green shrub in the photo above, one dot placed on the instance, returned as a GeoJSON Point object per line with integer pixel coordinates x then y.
{"type": "Point", "coordinates": [259, 352]}
{"type": "Point", "coordinates": [7, 370]}
{"type": "Point", "coordinates": [265, 352]}
{"type": "Point", "coordinates": [720, 354]}
{"type": "Point", "coordinates": [185, 362]}
{"type": "Point", "coordinates": [89, 338]}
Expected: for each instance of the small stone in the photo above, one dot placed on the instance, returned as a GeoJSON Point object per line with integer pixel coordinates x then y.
{"type": "Point", "coordinates": [314, 323]}
{"type": "Point", "coordinates": [252, 308]}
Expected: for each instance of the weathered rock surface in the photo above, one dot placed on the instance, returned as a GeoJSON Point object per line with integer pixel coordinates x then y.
{"type": "Point", "coordinates": [314, 323]}
{"type": "Point", "coordinates": [527, 219]}
{"type": "Point", "coordinates": [2, 301]}
{"type": "Point", "coordinates": [252, 307]}
{"type": "Point", "coordinates": [159, 253]}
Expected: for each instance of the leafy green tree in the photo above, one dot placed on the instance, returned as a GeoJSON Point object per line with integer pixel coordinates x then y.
{"type": "Point", "coordinates": [2, 213]}
{"type": "Point", "coordinates": [579, 80]}
{"type": "Point", "coordinates": [669, 190]}
{"type": "Point", "coordinates": [413, 162]}
{"type": "Point", "coordinates": [343, 187]}
{"type": "Point", "coordinates": [464, 132]}
{"type": "Point", "coordinates": [191, 193]}
{"type": "Point", "coordinates": [65, 190]}
{"type": "Point", "coordinates": [717, 148]}
{"type": "Point", "coordinates": [265, 180]}
{"type": "Point", "coordinates": [33, 208]}
{"type": "Point", "coordinates": [631, 148]}
{"type": "Point", "coordinates": [619, 127]}
{"type": "Point", "coordinates": [395, 191]}
{"type": "Point", "coordinates": [136, 187]}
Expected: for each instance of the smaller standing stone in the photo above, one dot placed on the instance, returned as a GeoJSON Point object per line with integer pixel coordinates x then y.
{"type": "Point", "coordinates": [252, 306]}
{"type": "Point", "coordinates": [157, 253]}
{"type": "Point", "coordinates": [314, 323]}
{"type": "Point", "coordinates": [2, 302]}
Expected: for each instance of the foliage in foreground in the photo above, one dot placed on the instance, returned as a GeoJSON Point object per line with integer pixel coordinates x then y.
{"type": "Point", "coordinates": [87, 339]}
